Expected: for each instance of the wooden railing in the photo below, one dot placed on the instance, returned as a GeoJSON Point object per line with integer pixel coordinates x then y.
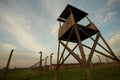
{"type": "Point", "coordinates": [66, 26]}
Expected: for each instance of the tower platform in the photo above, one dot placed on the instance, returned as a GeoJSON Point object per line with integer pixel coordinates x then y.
{"type": "Point", "coordinates": [82, 30]}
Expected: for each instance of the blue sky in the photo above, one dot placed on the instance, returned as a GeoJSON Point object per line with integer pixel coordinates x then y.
{"type": "Point", "coordinates": [30, 26]}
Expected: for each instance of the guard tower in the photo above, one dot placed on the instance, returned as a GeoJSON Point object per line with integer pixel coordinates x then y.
{"type": "Point", "coordinates": [71, 31]}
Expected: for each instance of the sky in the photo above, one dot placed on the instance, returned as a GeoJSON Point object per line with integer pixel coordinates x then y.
{"type": "Point", "coordinates": [30, 26]}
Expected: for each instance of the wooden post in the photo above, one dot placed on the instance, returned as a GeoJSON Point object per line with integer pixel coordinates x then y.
{"type": "Point", "coordinates": [7, 66]}
{"type": "Point", "coordinates": [58, 52]}
{"type": "Point", "coordinates": [83, 55]}
{"type": "Point", "coordinates": [99, 58]}
{"type": "Point", "coordinates": [51, 61]}
{"type": "Point", "coordinates": [91, 63]}
{"type": "Point", "coordinates": [107, 60]}
{"type": "Point", "coordinates": [46, 62]}
{"type": "Point", "coordinates": [63, 66]}
{"type": "Point", "coordinates": [40, 64]}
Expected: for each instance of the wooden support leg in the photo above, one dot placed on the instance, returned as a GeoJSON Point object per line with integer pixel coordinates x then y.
{"type": "Point", "coordinates": [99, 58]}
{"type": "Point", "coordinates": [64, 47]}
{"type": "Point", "coordinates": [92, 50]}
{"type": "Point", "coordinates": [83, 55]}
{"type": "Point", "coordinates": [88, 73]}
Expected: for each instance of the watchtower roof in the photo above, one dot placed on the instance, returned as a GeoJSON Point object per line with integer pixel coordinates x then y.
{"type": "Point", "coordinates": [78, 14]}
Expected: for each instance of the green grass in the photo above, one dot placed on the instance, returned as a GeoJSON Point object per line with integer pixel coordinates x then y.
{"type": "Point", "coordinates": [103, 72]}
{"type": "Point", "coordinates": [107, 72]}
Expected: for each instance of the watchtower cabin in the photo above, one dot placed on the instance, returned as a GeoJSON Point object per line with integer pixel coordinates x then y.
{"type": "Point", "coordinates": [70, 16]}
{"type": "Point", "coordinates": [71, 31]}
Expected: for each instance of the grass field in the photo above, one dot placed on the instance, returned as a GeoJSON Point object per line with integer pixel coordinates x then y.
{"type": "Point", "coordinates": [101, 72]}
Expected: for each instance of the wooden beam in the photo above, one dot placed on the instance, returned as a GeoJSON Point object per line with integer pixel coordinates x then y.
{"type": "Point", "coordinates": [94, 40]}
{"type": "Point", "coordinates": [66, 45]}
{"type": "Point", "coordinates": [112, 53]}
{"type": "Point", "coordinates": [66, 57]}
{"type": "Point", "coordinates": [93, 49]}
{"type": "Point", "coordinates": [80, 45]}
{"type": "Point", "coordinates": [83, 55]}
{"type": "Point", "coordinates": [98, 52]}
{"type": "Point", "coordinates": [72, 53]}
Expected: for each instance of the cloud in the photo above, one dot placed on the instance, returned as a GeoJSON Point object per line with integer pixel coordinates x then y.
{"type": "Point", "coordinates": [55, 9]}
{"type": "Point", "coordinates": [7, 46]}
{"type": "Point", "coordinates": [20, 28]}
{"type": "Point", "coordinates": [111, 2]}
{"type": "Point", "coordinates": [106, 13]}
{"type": "Point", "coordinates": [54, 29]}
{"type": "Point", "coordinates": [115, 41]}
{"type": "Point", "coordinates": [29, 31]}
{"type": "Point", "coordinates": [102, 18]}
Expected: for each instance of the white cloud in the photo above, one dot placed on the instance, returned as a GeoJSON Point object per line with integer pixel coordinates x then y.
{"type": "Point", "coordinates": [111, 2]}
{"type": "Point", "coordinates": [22, 32]}
{"type": "Point", "coordinates": [115, 39]}
{"type": "Point", "coordinates": [28, 30]}
{"type": "Point", "coordinates": [107, 13]}
{"type": "Point", "coordinates": [7, 46]}
{"type": "Point", "coordinates": [54, 29]}
{"type": "Point", "coordinates": [55, 8]}
{"type": "Point", "coordinates": [102, 18]}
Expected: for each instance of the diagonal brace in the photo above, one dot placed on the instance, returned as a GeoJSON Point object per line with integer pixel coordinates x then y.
{"type": "Point", "coordinates": [92, 50]}
{"type": "Point", "coordinates": [66, 58]}
{"type": "Point", "coordinates": [72, 53]}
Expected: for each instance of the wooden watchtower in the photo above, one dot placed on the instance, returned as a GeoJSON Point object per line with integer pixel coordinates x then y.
{"type": "Point", "coordinates": [71, 31]}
